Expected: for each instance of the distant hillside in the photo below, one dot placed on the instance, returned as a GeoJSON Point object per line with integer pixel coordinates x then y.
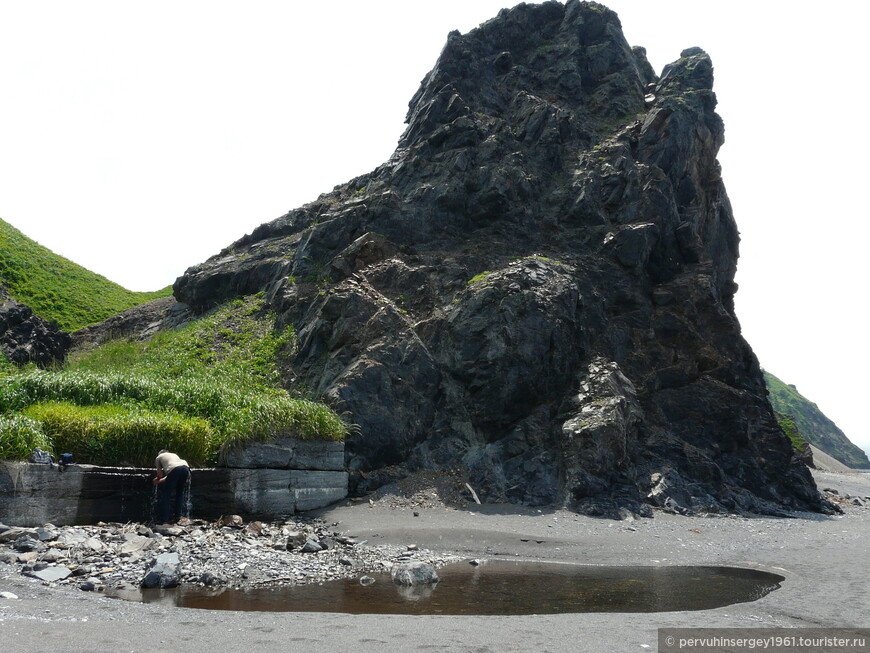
{"type": "Point", "coordinates": [813, 424]}
{"type": "Point", "coordinates": [57, 289]}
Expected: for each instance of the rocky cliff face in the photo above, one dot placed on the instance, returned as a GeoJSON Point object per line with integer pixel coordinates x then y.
{"type": "Point", "coordinates": [537, 287]}
{"type": "Point", "coordinates": [25, 337]}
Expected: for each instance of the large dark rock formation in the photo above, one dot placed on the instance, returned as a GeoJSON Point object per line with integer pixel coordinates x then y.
{"type": "Point", "coordinates": [136, 323]}
{"type": "Point", "coordinates": [25, 337]}
{"type": "Point", "coordinates": [537, 286]}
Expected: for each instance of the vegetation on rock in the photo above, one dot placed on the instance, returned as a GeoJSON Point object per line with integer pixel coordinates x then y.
{"type": "Point", "coordinates": [198, 390]}
{"type": "Point", "coordinates": [814, 425]}
{"type": "Point", "coordinates": [57, 289]}
{"type": "Point", "coordinates": [786, 423]}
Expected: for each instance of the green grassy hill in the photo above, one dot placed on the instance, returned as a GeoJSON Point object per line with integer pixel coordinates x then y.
{"type": "Point", "coordinates": [813, 424]}
{"type": "Point", "coordinates": [59, 290]}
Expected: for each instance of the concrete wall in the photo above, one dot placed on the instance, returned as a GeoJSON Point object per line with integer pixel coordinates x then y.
{"type": "Point", "coordinates": [32, 495]}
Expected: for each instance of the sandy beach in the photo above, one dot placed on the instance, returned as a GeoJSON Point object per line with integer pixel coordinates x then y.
{"type": "Point", "coordinates": [823, 559]}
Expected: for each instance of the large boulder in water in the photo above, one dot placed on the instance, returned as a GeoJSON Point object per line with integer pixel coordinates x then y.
{"type": "Point", "coordinates": [414, 573]}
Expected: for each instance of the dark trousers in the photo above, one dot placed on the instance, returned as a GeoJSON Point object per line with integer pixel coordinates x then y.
{"type": "Point", "coordinates": [171, 493]}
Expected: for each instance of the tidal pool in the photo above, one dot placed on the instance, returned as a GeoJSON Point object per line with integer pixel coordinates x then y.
{"type": "Point", "coordinates": [497, 588]}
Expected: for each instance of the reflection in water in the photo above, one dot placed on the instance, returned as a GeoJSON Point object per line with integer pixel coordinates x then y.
{"type": "Point", "coordinates": [498, 587]}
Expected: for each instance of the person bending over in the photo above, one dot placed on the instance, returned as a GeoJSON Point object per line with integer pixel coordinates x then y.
{"type": "Point", "coordinates": [173, 476]}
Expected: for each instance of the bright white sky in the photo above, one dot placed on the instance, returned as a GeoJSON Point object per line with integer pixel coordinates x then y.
{"type": "Point", "coordinates": [139, 138]}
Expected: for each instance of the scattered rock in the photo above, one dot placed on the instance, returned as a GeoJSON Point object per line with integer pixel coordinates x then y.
{"type": "Point", "coordinates": [83, 570]}
{"type": "Point", "coordinates": [232, 521]}
{"type": "Point", "coordinates": [46, 534]}
{"type": "Point", "coordinates": [163, 572]}
{"type": "Point", "coordinates": [211, 580]}
{"type": "Point", "coordinates": [414, 573]}
{"type": "Point", "coordinates": [135, 543]}
{"type": "Point", "coordinates": [207, 554]}
{"type": "Point", "coordinates": [50, 574]}
{"type": "Point", "coordinates": [71, 537]}
{"type": "Point", "coordinates": [295, 540]}
{"type": "Point", "coordinates": [25, 543]}
{"type": "Point", "coordinates": [252, 573]}
{"type": "Point", "coordinates": [312, 545]}
{"type": "Point", "coordinates": [94, 544]}
{"type": "Point", "coordinates": [12, 534]}
{"type": "Point", "coordinates": [168, 530]}
{"type": "Point", "coordinates": [365, 581]}
{"type": "Point", "coordinates": [8, 595]}
{"type": "Point", "coordinates": [255, 528]}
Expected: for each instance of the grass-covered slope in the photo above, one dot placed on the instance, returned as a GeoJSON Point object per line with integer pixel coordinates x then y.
{"type": "Point", "coordinates": [59, 290]}
{"type": "Point", "coordinates": [798, 441]}
{"type": "Point", "coordinates": [813, 424]}
{"type": "Point", "coordinates": [197, 390]}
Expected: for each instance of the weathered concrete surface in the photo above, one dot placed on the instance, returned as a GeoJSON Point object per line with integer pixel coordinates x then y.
{"type": "Point", "coordinates": [32, 495]}
{"type": "Point", "coordinates": [274, 492]}
{"type": "Point", "coordinates": [290, 453]}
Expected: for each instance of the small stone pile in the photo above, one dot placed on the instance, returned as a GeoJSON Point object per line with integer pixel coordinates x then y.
{"type": "Point", "coordinates": [226, 553]}
{"type": "Point", "coordinates": [425, 489]}
{"type": "Point", "coordinates": [836, 498]}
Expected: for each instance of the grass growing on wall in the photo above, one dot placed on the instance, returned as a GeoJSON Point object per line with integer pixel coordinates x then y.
{"type": "Point", "coordinates": [128, 435]}
{"type": "Point", "coordinates": [57, 289]}
{"type": "Point", "coordinates": [198, 390]}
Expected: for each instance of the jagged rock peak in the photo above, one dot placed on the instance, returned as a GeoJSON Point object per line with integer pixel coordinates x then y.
{"type": "Point", "coordinates": [571, 57]}
{"type": "Point", "coordinates": [537, 287]}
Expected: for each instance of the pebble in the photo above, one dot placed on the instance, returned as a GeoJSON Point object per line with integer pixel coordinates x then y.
{"type": "Point", "coordinates": [225, 554]}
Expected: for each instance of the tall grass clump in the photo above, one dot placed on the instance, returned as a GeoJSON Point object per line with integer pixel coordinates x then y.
{"type": "Point", "coordinates": [199, 390]}
{"type": "Point", "coordinates": [19, 436]}
{"type": "Point", "coordinates": [109, 434]}
{"type": "Point", "coordinates": [233, 411]}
